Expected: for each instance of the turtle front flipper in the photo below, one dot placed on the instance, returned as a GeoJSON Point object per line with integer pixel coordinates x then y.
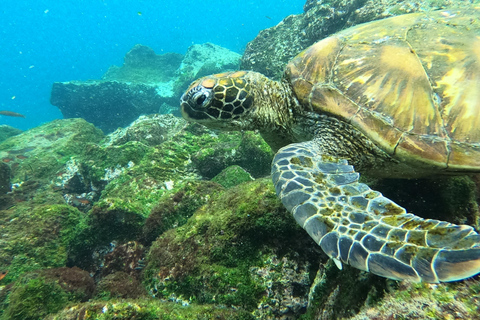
{"type": "Point", "coordinates": [358, 226]}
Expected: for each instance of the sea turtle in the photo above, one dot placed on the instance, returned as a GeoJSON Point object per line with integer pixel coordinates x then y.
{"type": "Point", "coordinates": [398, 97]}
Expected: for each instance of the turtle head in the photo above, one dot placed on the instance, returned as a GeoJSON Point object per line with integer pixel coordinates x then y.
{"type": "Point", "coordinates": [221, 101]}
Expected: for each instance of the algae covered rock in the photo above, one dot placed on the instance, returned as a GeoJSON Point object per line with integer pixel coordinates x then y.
{"type": "Point", "coordinates": [150, 130]}
{"type": "Point", "coordinates": [142, 64]}
{"type": "Point", "coordinates": [8, 131]}
{"type": "Point", "coordinates": [127, 309]}
{"type": "Point", "coordinates": [39, 237]}
{"type": "Point", "coordinates": [38, 294]}
{"type": "Point", "coordinates": [232, 176]}
{"type": "Point", "coordinates": [205, 59]}
{"type": "Point", "coordinates": [219, 256]}
{"type": "Point", "coordinates": [247, 150]}
{"type": "Point", "coordinates": [146, 83]}
{"type": "Point", "coordinates": [39, 152]}
{"type": "Point", "coordinates": [5, 173]}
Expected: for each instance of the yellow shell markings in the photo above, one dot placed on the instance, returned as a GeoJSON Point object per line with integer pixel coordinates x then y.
{"type": "Point", "coordinates": [401, 84]}
{"type": "Point", "coordinates": [462, 102]}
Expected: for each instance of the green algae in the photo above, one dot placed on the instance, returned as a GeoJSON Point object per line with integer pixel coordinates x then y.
{"type": "Point", "coordinates": [147, 310]}
{"type": "Point", "coordinates": [232, 176]}
{"type": "Point", "coordinates": [37, 294]}
{"type": "Point", "coordinates": [209, 259]}
{"type": "Point", "coordinates": [426, 301]}
{"type": "Point", "coordinates": [39, 237]}
{"type": "Point", "coordinates": [40, 152]}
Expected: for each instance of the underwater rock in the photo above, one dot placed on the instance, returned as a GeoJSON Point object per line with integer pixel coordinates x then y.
{"type": "Point", "coordinates": [150, 130]}
{"type": "Point", "coordinates": [205, 59]}
{"type": "Point", "coordinates": [232, 176]}
{"type": "Point", "coordinates": [147, 83]}
{"type": "Point", "coordinates": [128, 309]}
{"type": "Point", "coordinates": [5, 174]}
{"type": "Point", "coordinates": [125, 258]}
{"type": "Point", "coordinates": [143, 65]}
{"type": "Point", "coordinates": [8, 131]}
{"type": "Point", "coordinates": [219, 256]}
{"type": "Point", "coordinates": [174, 210]}
{"type": "Point", "coordinates": [39, 293]}
{"type": "Point", "coordinates": [38, 153]}
{"type": "Point", "coordinates": [119, 285]}
{"type": "Point", "coordinates": [457, 300]}
{"type": "Point", "coordinates": [39, 237]}
{"type": "Point", "coordinates": [274, 47]}
{"type": "Point", "coordinates": [109, 104]}
{"type": "Point", "coordinates": [245, 149]}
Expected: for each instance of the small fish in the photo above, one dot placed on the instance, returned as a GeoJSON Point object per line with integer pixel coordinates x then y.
{"type": "Point", "coordinates": [3, 274]}
{"type": "Point", "coordinates": [268, 17]}
{"type": "Point", "coordinates": [7, 160]}
{"type": "Point", "coordinates": [11, 114]}
{"type": "Point", "coordinates": [21, 157]}
{"type": "Point", "coordinates": [139, 13]}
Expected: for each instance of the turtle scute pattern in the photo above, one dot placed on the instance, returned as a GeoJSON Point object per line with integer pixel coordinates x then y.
{"type": "Point", "coordinates": [360, 227]}
{"type": "Point", "coordinates": [410, 83]}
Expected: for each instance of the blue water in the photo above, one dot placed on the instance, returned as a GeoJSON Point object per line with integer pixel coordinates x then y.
{"type": "Point", "coordinates": [44, 41]}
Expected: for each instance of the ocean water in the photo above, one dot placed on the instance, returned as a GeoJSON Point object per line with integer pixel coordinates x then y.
{"type": "Point", "coordinates": [45, 41]}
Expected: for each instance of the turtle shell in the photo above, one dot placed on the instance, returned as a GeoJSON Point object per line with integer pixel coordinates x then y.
{"type": "Point", "coordinates": [410, 83]}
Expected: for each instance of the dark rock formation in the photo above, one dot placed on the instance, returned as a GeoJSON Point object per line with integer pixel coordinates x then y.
{"type": "Point", "coordinates": [8, 131]}
{"type": "Point", "coordinates": [5, 173]}
{"type": "Point", "coordinates": [146, 83]}
{"type": "Point", "coordinates": [273, 48]}
{"type": "Point", "coordinates": [108, 104]}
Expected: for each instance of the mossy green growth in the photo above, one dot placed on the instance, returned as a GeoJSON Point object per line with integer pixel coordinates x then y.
{"type": "Point", "coordinates": [35, 299]}
{"type": "Point", "coordinates": [457, 300]}
{"type": "Point", "coordinates": [208, 259]}
{"type": "Point", "coordinates": [247, 150]}
{"type": "Point", "coordinates": [8, 131]}
{"type": "Point", "coordinates": [40, 152]}
{"type": "Point", "coordinates": [148, 310]}
{"type": "Point", "coordinates": [38, 237]}
{"type": "Point", "coordinates": [232, 176]}
{"type": "Point", "coordinates": [37, 294]}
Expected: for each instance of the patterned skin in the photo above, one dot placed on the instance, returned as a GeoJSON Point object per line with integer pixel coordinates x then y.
{"type": "Point", "coordinates": [393, 98]}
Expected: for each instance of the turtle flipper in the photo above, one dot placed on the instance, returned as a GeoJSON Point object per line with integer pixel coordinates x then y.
{"type": "Point", "coordinates": [362, 228]}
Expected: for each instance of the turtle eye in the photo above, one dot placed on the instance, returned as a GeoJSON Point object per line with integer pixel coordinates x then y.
{"type": "Point", "coordinates": [200, 99]}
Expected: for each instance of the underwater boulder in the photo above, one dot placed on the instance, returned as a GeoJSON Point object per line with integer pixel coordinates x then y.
{"type": "Point", "coordinates": [242, 250]}
{"type": "Point", "coordinates": [40, 293]}
{"type": "Point", "coordinates": [202, 60]}
{"type": "Point", "coordinates": [7, 131]}
{"type": "Point", "coordinates": [5, 173]}
{"type": "Point", "coordinates": [146, 83]}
